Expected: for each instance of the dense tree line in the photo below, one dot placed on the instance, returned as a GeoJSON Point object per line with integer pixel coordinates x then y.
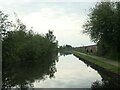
{"type": "Point", "coordinates": [26, 55]}
{"type": "Point", "coordinates": [20, 44]}
{"type": "Point", "coordinates": [65, 49]}
{"type": "Point", "coordinates": [103, 27]}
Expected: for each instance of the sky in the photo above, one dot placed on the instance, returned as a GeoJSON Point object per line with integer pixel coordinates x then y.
{"type": "Point", "coordinates": [64, 17]}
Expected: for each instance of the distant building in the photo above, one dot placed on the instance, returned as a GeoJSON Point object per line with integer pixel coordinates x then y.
{"type": "Point", "coordinates": [89, 49]}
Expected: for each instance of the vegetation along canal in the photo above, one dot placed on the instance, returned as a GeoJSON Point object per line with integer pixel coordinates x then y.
{"type": "Point", "coordinates": [80, 50]}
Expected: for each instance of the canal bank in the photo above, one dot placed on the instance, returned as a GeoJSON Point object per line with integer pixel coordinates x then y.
{"type": "Point", "coordinates": [106, 70]}
{"type": "Point", "coordinates": [99, 64]}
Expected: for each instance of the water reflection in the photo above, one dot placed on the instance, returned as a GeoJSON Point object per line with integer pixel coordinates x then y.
{"type": "Point", "coordinates": [64, 53]}
{"type": "Point", "coordinates": [69, 72]}
{"type": "Point", "coordinates": [23, 74]}
{"type": "Point", "coordinates": [103, 84]}
{"type": "Point", "coordinates": [108, 80]}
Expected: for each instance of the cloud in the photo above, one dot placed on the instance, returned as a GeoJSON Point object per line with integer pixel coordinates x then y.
{"type": "Point", "coordinates": [66, 19]}
{"type": "Point", "coordinates": [27, 1]}
{"type": "Point", "coordinates": [67, 26]}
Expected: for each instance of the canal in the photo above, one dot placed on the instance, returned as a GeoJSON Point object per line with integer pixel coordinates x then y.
{"type": "Point", "coordinates": [71, 73]}
{"type": "Point", "coordinates": [67, 71]}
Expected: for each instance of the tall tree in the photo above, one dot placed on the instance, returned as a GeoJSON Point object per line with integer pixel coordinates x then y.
{"type": "Point", "coordinates": [103, 27]}
{"type": "Point", "coordinates": [5, 24]}
{"type": "Point", "coordinates": [50, 36]}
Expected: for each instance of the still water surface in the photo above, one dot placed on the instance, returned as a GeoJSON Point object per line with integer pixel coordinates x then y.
{"type": "Point", "coordinates": [54, 72]}
{"type": "Point", "coordinates": [71, 73]}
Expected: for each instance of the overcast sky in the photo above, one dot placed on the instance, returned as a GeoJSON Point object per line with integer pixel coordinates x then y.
{"type": "Point", "coordinates": [64, 17]}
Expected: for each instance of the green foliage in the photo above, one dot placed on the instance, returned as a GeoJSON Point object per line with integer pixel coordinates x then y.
{"type": "Point", "coordinates": [65, 48]}
{"type": "Point", "coordinates": [103, 27]}
{"type": "Point", "coordinates": [53, 43]}
{"type": "Point", "coordinates": [23, 45]}
{"type": "Point", "coordinates": [5, 25]}
{"type": "Point", "coordinates": [50, 36]}
{"type": "Point", "coordinates": [24, 50]}
{"type": "Point", "coordinates": [99, 61]}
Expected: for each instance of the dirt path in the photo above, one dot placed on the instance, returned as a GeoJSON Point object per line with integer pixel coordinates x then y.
{"type": "Point", "coordinates": [115, 63]}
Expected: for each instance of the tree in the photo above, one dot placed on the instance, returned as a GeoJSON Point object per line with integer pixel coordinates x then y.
{"type": "Point", "coordinates": [22, 48]}
{"type": "Point", "coordinates": [5, 25]}
{"type": "Point", "coordinates": [21, 44]}
{"type": "Point", "coordinates": [53, 43]}
{"type": "Point", "coordinates": [103, 26]}
{"type": "Point", "coordinates": [50, 36]}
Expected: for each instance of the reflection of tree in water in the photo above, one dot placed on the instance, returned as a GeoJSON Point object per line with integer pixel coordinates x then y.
{"type": "Point", "coordinates": [64, 53]}
{"type": "Point", "coordinates": [103, 84]}
{"type": "Point", "coordinates": [107, 82]}
{"type": "Point", "coordinates": [21, 75]}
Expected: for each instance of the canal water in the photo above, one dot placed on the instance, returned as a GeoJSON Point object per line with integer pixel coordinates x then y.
{"type": "Point", "coordinates": [65, 71]}
{"type": "Point", "coordinates": [71, 73]}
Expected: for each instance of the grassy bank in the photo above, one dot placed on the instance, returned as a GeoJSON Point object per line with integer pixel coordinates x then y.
{"type": "Point", "coordinates": [99, 62]}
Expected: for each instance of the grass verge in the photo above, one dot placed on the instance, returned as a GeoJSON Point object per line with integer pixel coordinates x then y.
{"type": "Point", "coordinates": [98, 62]}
